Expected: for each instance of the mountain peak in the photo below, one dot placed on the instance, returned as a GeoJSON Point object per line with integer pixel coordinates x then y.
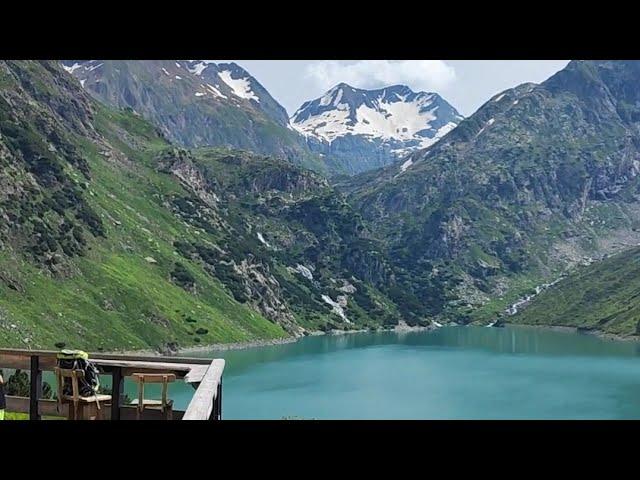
{"type": "Point", "coordinates": [234, 68]}
{"type": "Point", "coordinates": [394, 115]}
{"type": "Point", "coordinates": [342, 86]}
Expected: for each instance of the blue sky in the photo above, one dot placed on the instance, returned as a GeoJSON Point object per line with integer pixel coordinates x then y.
{"type": "Point", "coordinates": [466, 84]}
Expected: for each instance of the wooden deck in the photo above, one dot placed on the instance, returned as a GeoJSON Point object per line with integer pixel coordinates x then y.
{"type": "Point", "coordinates": [205, 375]}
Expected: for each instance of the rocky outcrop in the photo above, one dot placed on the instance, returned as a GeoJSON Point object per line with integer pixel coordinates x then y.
{"type": "Point", "coordinates": [180, 163]}
{"type": "Point", "coordinates": [265, 294]}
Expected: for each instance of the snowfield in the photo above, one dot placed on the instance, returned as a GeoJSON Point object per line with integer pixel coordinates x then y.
{"type": "Point", "coordinates": [394, 114]}
{"type": "Point", "coordinates": [241, 86]}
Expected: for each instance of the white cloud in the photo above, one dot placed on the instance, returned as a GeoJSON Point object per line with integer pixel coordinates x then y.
{"type": "Point", "coordinates": [426, 75]}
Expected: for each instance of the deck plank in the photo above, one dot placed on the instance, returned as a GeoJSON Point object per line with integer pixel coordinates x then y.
{"type": "Point", "coordinates": [196, 374]}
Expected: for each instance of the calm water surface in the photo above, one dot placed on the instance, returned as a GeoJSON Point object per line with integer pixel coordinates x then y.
{"type": "Point", "coordinates": [449, 373]}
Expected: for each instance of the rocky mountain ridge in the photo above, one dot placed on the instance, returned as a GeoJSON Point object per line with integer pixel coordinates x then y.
{"type": "Point", "coordinates": [540, 178]}
{"type": "Point", "coordinates": [197, 103]}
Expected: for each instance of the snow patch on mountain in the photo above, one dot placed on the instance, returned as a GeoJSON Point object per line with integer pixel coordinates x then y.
{"type": "Point", "coordinates": [262, 240]}
{"type": "Point", "coordinates": [197, 68]}
{"type": "Point", "coordinates": [488, 124]}
{"type": "Point", "coordinates": [72, 68]}
{"type": "Point", "coordinates": [241, 87]}
{"type": "Point", "coordinates": [215, 91]}
{"type": "Point", "coordinates": [337, 307]}
{"type": "Point", "coordinates": [86, 66]}
{"type": "Point", "coordinates": [406, 165]}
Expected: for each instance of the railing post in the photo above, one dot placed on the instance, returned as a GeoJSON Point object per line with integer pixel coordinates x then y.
{"type": "Point", "coordinates": [35, 388]}
{"type": "Point", "coordinates": [216, 411]}
{"type": "Point", "coordinates": [219, 399]}
{"type": "Point", "coordinates": [116, 393]}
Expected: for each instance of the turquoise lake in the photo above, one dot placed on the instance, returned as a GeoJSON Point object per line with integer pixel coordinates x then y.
{"type": "Point", "coordinates": [449, 373]}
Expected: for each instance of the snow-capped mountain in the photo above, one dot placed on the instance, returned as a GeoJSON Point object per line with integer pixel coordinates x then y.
{"type": "Point", "coordinates": [197, 103]}
{"type": "Point", "coordinates": [370, 128]}
{"type": "Point", "coordinates": [242, 85]}
{"type": "Point", "coordinates": [224, 81]}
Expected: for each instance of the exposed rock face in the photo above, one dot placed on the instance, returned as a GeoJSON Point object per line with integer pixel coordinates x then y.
{"type": "Point", "coordinates": [180, 163]}
{"type": "Point", "coordinates": [197, 104]}
{"type": "Point", "coordinates": [265, 294]}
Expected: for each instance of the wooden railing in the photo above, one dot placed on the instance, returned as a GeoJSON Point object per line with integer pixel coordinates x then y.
{"type": "Point", "coordinates": [207, 401]}
{"type": "Point", "coordinates": [205, 375]}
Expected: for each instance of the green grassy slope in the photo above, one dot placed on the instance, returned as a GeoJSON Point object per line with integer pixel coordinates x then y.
{"type": "Point", "coordinates": [116, 298]}
{"type": "Point", "coordinates": [604, 296]}
{"type": "Point", "coordinates": [116, 292]}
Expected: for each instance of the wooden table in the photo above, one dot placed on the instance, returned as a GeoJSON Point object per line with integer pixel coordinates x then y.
{"type": "Point", "coordinates": [119, 369]}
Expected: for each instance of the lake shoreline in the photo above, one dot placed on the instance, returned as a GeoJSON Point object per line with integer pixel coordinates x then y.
{"type": "Point", "coordinates": [400, 328]}
{"type": "Point", "coordinates": [564, 328]}
{"type": "Point", "coordinates": [208, 347]}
